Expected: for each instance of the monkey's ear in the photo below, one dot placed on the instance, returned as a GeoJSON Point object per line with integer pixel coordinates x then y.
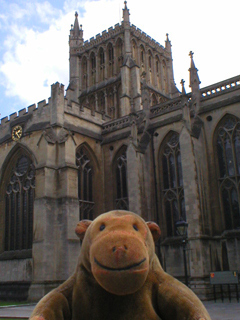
{"type": "Point", "coordinates": [155, 230]}
{"type": "Point", "coordinates": [81, 228]}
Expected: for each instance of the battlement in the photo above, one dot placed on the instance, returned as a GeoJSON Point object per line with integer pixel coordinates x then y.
{"type": "Point", "coordinates": [21, 114]}
{"type": "Point", "coordinates": [100, 37]}
{"type": "Point", "coordinates": [145, 38]}
{"type": "Point", "coordinates": [114, 31]}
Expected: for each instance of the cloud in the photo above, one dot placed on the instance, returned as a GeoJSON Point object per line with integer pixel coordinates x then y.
{"type": "Point", "coordinates": [36, 42]}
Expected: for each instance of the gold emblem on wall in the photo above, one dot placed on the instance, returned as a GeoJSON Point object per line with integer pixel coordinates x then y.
{"type": "Point", "coordinates": [17, 133]}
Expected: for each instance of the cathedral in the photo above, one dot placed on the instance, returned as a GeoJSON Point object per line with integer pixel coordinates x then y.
{"type": "Point", "coordinates": [120, 136]}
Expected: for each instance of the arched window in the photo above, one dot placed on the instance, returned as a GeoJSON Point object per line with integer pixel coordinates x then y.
{"type": "Point", "coordinates": [121, 201]}
{"type": "Point", "coordinates": [172, 182]}
{"type": "Point", "coordinates": [93, 69]}
{"type": "Point", "coordinates": [101, 102]}
{"type": "Point", "coordinates": [19, 200]}
{"type": "Point", "coordinates": [228, 153]}
{"type": "Point", "coordinates": [101, 64]}
{"type": "Point", "coordinates": [119, 54]}
{"type": "Point", "coordinates": [150, 69]}
{"type": "Point", "coordinates": [165, 77]}
{"type": "Point", "coordinates": [110, 103]}
{"type": "Point", "coordinates": [85, 183]}
{"type": "Point", "coordinates": [134, 50]}
{"type": "Point", "coordinates": [110, 60]}
{"type": "Point", "coordinates": [84, 73]}
{"type": "Point", "coordinates": [142, 60]}
{"type": "Point", "coordinates": [158, 73]}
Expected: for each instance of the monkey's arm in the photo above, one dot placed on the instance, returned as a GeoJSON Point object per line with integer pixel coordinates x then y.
{"type": "Point", "coordinates": [176, 301]}
{"type": "Point", "coordinates": [56, 305]}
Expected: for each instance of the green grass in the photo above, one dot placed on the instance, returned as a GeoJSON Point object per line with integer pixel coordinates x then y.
{"type": "Point", "coordinates": [12, 303]}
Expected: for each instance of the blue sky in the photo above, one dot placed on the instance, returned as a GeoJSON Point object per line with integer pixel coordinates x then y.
{"type": "Point", "coordinates": [34, 40]}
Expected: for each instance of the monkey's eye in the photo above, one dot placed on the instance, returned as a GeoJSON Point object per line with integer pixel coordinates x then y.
{"type": "Point", "coordinates": [135, 227]}
{"type": "Point", "coordinates": [102, 227]}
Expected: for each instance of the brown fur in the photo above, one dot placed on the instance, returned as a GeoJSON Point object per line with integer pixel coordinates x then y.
{"type": "Point", "coordinates": [118, 276]}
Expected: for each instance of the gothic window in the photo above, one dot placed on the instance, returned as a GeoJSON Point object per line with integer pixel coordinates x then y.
{"type": "Point", "coordinates": [150, 71]}
{"type": "Point", "coordinates": [19, 199]}
{"type": "Point", "coordinates": [134, 50]}
{"type": "Point", "coordinates": [101, 102]}
{"type": "Point", "coordinates": [84, 73]}
{"type": "Point", "coordinates": [158, 75]}
{"type": "Point", "coordinates": [110, 60]}
{"type": "Point", "coordinates": [110, 102]}
{"type": "Point", "coordinates": [121, 180]}
{"type": "Point", "coordinates": [85, 183]}
{"type": "Point", "coordinates": [93, 69]}
{"type": "Point", "coordinates": [228, 153]}
{"type": "Point", "coordinates": [165, 78]}
{"type": "Point", "coordinates": [172, 183]}
{"type": "Point", "coordinates": [119, 54]}
{"type": "Point", "coordinates": [142, 59]}
{"type": "Point", "coordinates": [101, 64]}
{"type": "Point", "coordinates": [92, 103]}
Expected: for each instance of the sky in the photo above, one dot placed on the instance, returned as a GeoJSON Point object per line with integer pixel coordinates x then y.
{"type": "Point", "coordinates": [34, 48]}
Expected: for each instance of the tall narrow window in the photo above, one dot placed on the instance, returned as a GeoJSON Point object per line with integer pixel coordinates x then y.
{"type": "Point", "coordinates": [110, 60]}
{"type": "Point", "coordinates": [121, 180]}
{"type": "Point", "coordinates": [84, 73]}
{"type": "Point", "coordinates": [19, 198]}
{"type": "Point", "coordinates": [228, 153]}
{"type": "Point", "coordinates": [101, 64]}
{"type": "Point", "coordinates": [85, 184]}
{"type": "Point", "coordinates": [172, 183]}
{"type": "Point", "coordinates": [93, 69]}
{"type": "Point", "coordinates": [119, 54]}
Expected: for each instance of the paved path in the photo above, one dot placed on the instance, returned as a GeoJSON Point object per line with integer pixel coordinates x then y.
{"type": "Point", "coordinates": [217, 311]}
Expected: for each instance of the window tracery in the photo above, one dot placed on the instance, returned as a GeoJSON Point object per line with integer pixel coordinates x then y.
{"type": "Point", "coordinates": [228, 153]}
{"type": "Point", "coordinates": [19, 200]}
{"type": "Point", "coordinates": [85, 184]}
{"type": "Point", "coordinates": [172, 183]}
{"type": "Point", "coordinates": [121, 180]}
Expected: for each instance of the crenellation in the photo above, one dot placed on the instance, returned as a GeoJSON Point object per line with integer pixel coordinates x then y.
{"type": "Point", "coordinates": [144, 37]}
{"type": "Point", "coordinates": [110, 29]}
{"type": "Point", "coordinates": [41, 104]}
{"type": "Point", "coordinates": [22, 112]}
{"type": "Point", "coordinates": [98, 36]}
{"type": "Point", "coordinates": [4, 120]}
{"type": "Point", "coordinates": [31, 108]}
{"type": "Point", "coordinates": [104, 32]}
{"type": "Point", "coordinates": [13, 116]}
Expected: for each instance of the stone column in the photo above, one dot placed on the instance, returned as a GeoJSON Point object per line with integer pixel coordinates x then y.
{"type": "Point", "coordinates": [192, 207]}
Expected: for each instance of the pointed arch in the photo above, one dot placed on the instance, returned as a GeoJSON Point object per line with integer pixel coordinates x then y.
{"type": "Point", "coordinates": [101, 64]}
{"type": "Point", "coordinates": [17, 199]}
{"type": "Point", "coordinates": [86, 165]}
{"type": "Point", "coordinates": [92, 68]}
{"type": "Point", "coordinates": [119, 54]}
{"type": "Point", "coordinates": [110, 58]}
{"type": "Point", "coordinates": [227, 150]}
{"type": "Point", "coordinates": [142, 59]}
{"type": "Point", "coordinates": [158, 71]}
{"type": "Point", "coordinates": [150, 66]}
{"type": "Point", "coordinates": [120, 177]}
{"type": "Point", "coordinates": [84, 73]}
{"type": "Point", "coordinates": [171, 182]}
{"type": "Point", "coordinates": [165, 77]}
{"type": "Point", "coordinates": [134, 50]}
